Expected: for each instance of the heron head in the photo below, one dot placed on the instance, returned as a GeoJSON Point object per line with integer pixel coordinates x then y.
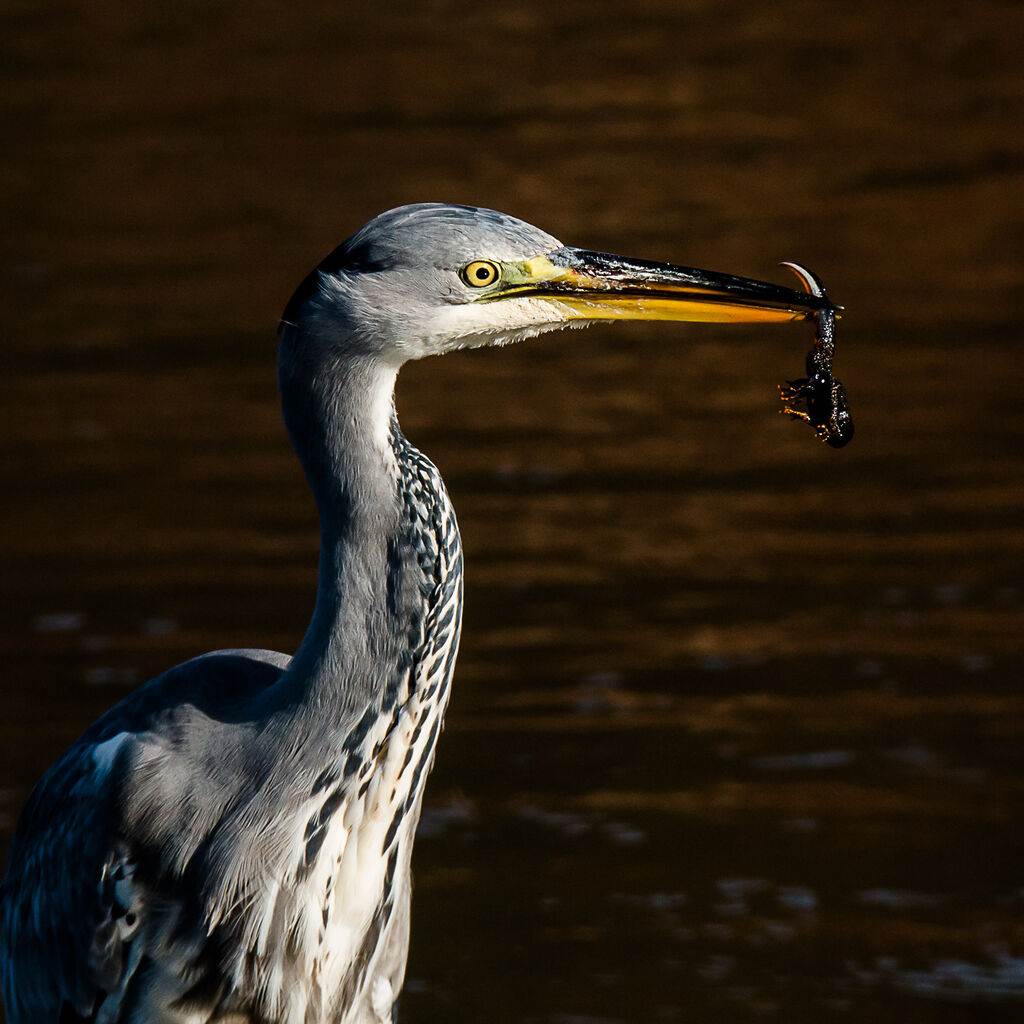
{"type": "Point", "coordinates": [429, 278]}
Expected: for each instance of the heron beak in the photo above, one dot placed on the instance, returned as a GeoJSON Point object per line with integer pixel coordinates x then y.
{"type": "Point", "coordinates": [597, 286]}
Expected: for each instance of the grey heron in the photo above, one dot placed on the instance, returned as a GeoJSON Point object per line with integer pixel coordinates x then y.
{"type": "Point", "coordinates": [232, 841]}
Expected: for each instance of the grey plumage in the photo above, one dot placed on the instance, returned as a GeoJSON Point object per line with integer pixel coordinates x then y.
{"type": "Point", "coordinates": [233, 840]}
{"type": "Point", "coordinates": [181, 861]}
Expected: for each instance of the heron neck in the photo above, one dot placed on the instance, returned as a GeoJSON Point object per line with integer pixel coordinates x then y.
{"type": "Point", "coordinates": [340, 414]}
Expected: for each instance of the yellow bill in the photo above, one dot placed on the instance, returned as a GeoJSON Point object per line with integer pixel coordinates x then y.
{"type": "Point", "coordinates": [599, 286]}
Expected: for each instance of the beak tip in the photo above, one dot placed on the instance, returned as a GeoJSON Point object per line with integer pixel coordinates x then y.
{"type": "Point", "coordinates": [813, 284]}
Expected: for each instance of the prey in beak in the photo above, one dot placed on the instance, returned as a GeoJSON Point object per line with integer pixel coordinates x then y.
{"type": "Point", "coordinates": [822, 394]}
{"type": "Point", "coordinates": [586, 285]}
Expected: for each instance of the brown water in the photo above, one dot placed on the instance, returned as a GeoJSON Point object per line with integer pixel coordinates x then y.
{"type": "Point", "coordinates": [738, 721]}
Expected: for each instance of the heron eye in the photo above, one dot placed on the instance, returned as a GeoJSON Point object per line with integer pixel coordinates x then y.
{"type": "Point", "coordinates": [480, 273]}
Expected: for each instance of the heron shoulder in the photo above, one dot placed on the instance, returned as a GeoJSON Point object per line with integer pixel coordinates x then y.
{"type": "Point", "coordinates": [122, 785]}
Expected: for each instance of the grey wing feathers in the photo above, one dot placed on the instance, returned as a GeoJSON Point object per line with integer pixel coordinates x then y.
{"type": "Point", "coordinates": [70, 909]}
{"type": "Point", "coordinates": [50, 898]}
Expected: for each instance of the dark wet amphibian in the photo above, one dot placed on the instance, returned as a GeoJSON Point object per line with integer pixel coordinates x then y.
{"type": "Point", "coordinates": [822, 395]}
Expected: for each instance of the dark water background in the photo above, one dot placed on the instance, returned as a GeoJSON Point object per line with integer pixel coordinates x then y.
{"type": "Point", "coordinates": [738, 721]}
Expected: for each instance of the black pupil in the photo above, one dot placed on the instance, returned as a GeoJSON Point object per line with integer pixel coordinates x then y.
{"type": "Point", "coordinates": [483, 273]}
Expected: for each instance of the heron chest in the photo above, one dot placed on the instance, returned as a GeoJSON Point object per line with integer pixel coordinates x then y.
{"type": "Point", "coordinates": [363, 811]}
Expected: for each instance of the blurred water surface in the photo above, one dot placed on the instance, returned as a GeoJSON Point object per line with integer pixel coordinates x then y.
{"type": "Point", "coordinates": [738, 720]}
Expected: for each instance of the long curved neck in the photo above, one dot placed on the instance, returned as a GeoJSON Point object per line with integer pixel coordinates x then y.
{"type": "Point", "coordinates": [339, 410]}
